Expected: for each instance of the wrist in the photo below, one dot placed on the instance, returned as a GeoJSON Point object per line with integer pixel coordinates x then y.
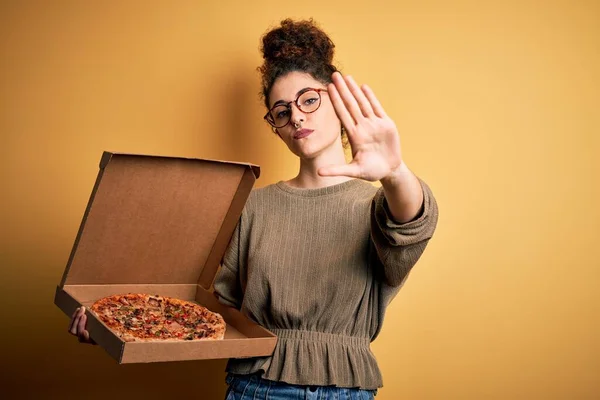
{"type": "Point", "coordinates": [396, 175]}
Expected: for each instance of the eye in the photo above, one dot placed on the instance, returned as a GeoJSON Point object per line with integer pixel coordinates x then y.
{"type": "Point", "coordinates": [311, 100]}
{"type": "Point", "coordinates": [282, 114]}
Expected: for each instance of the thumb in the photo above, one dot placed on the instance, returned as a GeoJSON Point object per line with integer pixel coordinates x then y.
{"type": "Point", "coordinates": [350, 170]}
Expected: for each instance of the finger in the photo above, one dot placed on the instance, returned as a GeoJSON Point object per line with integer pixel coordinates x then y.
{"type": "Point", "coordinates": [351, 170]}
{"type": "Point", "coordinates": [73, 319]}
{"type": "Point", "coordinates": [375, 104]}
{"type": "Point", "coordinates": [361, 99]}
{"type": "Point", "coordinates": [81, 324]}
{"type": "Point", "coordinates": [347, 97]}
{"type": "Point", "coordinates": [339, 107]}
{"type": "Point", "coordinates": [75, 322]}
{"type": "Point", "coordinates": [84, 335]}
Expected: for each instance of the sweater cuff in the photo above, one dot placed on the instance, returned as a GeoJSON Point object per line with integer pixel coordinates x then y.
{"type": "Point", "coordinates": [402, 234]}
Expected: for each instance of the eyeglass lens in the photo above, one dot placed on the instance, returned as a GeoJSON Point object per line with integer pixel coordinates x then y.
{"type": "Point", "coordinates": [307, 102]}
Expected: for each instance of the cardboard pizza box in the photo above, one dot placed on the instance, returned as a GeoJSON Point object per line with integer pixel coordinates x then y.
{"type": "Point", "coordinates": [160, 225]}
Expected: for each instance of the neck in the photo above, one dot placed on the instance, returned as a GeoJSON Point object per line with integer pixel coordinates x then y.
{"type": "Point", "coordinates": [308, 176]}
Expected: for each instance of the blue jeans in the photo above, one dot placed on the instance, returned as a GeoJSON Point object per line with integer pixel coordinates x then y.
{"type": "Point", "coordinates": [253, 387]}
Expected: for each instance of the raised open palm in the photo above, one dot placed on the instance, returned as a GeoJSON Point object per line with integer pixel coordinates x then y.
{"type": "Point", "coordinates": [372, 135]}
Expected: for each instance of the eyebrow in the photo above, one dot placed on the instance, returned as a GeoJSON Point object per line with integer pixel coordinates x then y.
{"type": "Point", "coordinates": [284, 102]}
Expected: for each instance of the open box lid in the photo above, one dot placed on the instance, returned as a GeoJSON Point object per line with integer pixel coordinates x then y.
{"type": "Point", "coordinates": [158, 220]}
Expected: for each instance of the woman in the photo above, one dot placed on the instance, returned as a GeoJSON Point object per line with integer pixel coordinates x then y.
{"type": "Point", "coordinates": [316, 259]}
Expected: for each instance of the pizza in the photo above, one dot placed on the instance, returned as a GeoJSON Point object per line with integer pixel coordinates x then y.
{"type": "Point", "coordinates": [149, 318]}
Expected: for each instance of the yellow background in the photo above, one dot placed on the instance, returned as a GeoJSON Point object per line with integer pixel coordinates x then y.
{"type": "Point", "coordinates": [498, 109]}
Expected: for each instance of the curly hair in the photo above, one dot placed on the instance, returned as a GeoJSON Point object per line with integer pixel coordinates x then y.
{"type": "Point", "coordinates": [295, 46]}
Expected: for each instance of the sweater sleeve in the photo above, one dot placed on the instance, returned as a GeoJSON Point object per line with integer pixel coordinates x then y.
{"type": "Point", "coordinates": [227, 284]}
{"type": "Point", "coordinates": [399, 246]}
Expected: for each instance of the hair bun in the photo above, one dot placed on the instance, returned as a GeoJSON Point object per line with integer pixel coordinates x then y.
{"type": "Point", "coordinates": [295, 46]}
{"type": "Point", "coordinates": [297, 39]}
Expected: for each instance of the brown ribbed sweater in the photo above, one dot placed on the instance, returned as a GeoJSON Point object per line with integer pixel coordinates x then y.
{"type": "Point", "coordinates": [318, 267]}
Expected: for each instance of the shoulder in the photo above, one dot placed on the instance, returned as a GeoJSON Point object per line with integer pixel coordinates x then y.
{"type": "Point", "coordinates": [260, 195]}
{"type": "Point", "coordinates": [259, 199]}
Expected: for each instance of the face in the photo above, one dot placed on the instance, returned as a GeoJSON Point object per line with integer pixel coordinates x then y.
{"type": "Point", "coordinates": [320, 130]}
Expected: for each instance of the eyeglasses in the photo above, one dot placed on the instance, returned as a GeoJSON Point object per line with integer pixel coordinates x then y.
{"type": "Point", "coordinates": [308, 101]}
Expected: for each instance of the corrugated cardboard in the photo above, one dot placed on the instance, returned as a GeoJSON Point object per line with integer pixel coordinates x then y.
{"type": "Point", "coordinates": [160, 225]}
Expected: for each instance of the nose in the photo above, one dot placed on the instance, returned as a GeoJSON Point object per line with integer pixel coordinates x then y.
{"type": "Point", "coordinates": [296, 115]}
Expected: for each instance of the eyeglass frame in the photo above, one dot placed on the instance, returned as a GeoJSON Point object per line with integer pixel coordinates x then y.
{"type": "Point", "coordinates": [288, 106]}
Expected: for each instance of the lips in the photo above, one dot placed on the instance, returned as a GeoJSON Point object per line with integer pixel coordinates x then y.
{"type": "Point", "coordinates": [302, 133]}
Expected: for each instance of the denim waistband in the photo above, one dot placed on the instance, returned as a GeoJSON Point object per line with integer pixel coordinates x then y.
{"type": "Point", "coordinates": [253, 387]}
